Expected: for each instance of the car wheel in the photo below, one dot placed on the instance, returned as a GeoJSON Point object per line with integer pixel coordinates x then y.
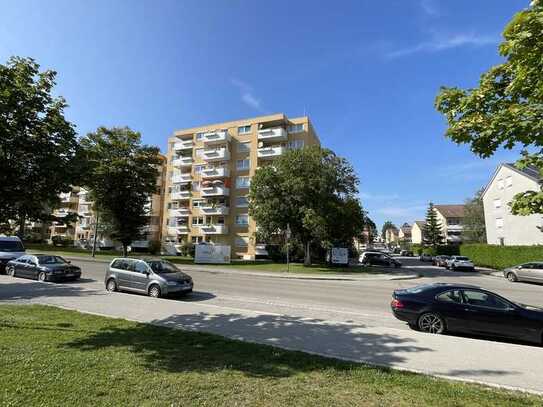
{"type": "Point", "coordinates": [512, 277]}
{"type": "Point", "coordinates": [111, 285]}
{"type": "Point", "coordinates": [431, 322]}
{"type": "Point", "coordinates": [154, 291]}
{"type": "Point", "coordinates": [10, 271]}
{"type": "Point", "coordinates": [42, 277]}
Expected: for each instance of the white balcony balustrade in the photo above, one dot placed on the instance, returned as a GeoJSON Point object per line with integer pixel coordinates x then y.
{"type": "Point", "coordinates": [216, 154]}
{"type": "Point", "coordinates": [212, 229]}
{"type": "Point", "coordinates": [273, 134]}
{"type": "Point", "coordinates": [182, 162]}
{"type": "Point", "coordinates": [215, 172]}
{"type": "Point", "coordinates": [179, 212]}
{"type": "Point", "coordinates": [181, 178]}
{"type": "Point", "coordinates": [214, 191]}
{"type": "Point", "coordinates": [180, 195]}
{"type": "Point", "coordinates": [216, 137]}
{"type": "Point", "coordinates": [183, 145]}
{"type": "Point", "coordinates": [271, 152]}
{"type": "Point", "coordinates": [209, 209]}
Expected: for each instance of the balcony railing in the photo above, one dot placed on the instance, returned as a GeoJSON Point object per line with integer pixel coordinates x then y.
{"type": "Point", "coordinates": [182, 162]}
{"type": "Point", "coordinates": [273, 134]}
{"type": "Point", "coordinates": [215, 210]}
{"type": "Point", "coordinates": [215, 172]}
{"type": "Point", "coordinates": [214, 191]}
{"type": "Point", "coordinates": [216, 137]}
{"type": "Point", "coordinates": [183, 145]}
{"type": "Point", "coordinates": [182, 178]}
{"type": "Point", "coordinates": [454, 228]}
{"type": "Point", "coordinates": [178, 230]}
{"type": "Point", "coordinates": [270, 152]}
{"type": "Point", "coordinates": [218, 154]}
{"type": "Point", "coordinates": [179, 212]}
{"type": "Point", "coordinates": [180, 195]}
{"type": "Point", "coordinates": [211, 229]}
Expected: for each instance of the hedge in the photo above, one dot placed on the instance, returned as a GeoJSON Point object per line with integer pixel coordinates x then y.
{"type": "Point", "coordinates": [500, 257]}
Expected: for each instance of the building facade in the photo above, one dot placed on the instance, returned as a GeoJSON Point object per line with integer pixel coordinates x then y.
{"type": "Point", "coordinates": [404, 234]}
{"type": "Point", "coordinates": [451, 218]}
{"type": "Point", "coordinates": [502, 227]}
{"type": "Point", "coordinates": [209, 172]}
{"type": "Point", "coordinates": [417, 232]}
{"type": "Point", "coordinates": [391, 235]}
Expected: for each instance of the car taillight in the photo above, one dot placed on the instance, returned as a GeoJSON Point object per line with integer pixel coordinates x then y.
{"type": "Point", "coordinates": [397, 303]}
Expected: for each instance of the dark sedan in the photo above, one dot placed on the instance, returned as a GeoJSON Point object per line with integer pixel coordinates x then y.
{"type": "Point", "coordinates": [436, 308]}
{"type": "Point", "coordinates": [43, 267]}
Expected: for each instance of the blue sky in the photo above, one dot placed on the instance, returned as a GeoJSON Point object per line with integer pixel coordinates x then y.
{"type": "Point", "coordinates": [366, 72]}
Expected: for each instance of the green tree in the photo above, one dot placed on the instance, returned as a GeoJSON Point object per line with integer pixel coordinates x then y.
{"type": "Point", "coordinates": [386, 226]}
{"type": "Point", "coordinates": [506, 110]}
{"type": "Point", "coordinates": [122, 176]}
{"type": "Point", "coordinates": [474, 230]}
{"type": "Point", "coordinates": [39, 153]}
{"type": "Point", "coordinates": [432, 234]}
{"type": "Point", "coordinates": [313, 191]}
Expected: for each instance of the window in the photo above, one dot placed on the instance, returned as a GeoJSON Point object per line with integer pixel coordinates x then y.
{"type": "Point", "coordinates": [121, 264]}
{"type": "Point", "coordinates": [243, 164]}
{"type": "Point", "coordinates": [243, 182]}
{"type": "Point", "coordinates": [242, 220]}
{"type": "Point", "coordinates": [244, 129]}
{"type": "Point", "coordinates": [199, 136]}
{"type": "Point", "coordinates": [198, 169]}
{"type": "Point", "coordinates": [242, 241]}
{"type": "Point", "coordinates": [244, 147]}
{"type": "Point", "coordinates": [450, 296]}
{"type": "Point", "coordinates": [296, 128]}
{"type": "Point", "coordinates": [196, 203]}
{"type": "Point", "coordinates": [199, 152]}
{"type": "Point", "coordinates": [296, 144]}
{"type": "Point", "coordinates": [481, 299]}
{"type": "Point", "coordinates": [497, 203]}
{"type": "Point", "coordinates": [509, 181]}
{"type": "Point", "coordinates": [197, 239]}
{"type": "Point", "coordinates": [220, 220]}
{"type": "Point", "coordinates": [197, 220]}
{"type": "Point", "coordinates": [139, 267]}
{"type": "Point", "coordinates": [500, 184]}
{"type": "Point", "coordinates": [242, 201]}
{"type": "Point", "coordinates": [499, 223]}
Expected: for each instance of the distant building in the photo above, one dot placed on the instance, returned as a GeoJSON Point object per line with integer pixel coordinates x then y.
{"type": "Point", "coordinates": [391, 235]}
{"type": "Point", "coordinates": [502, 227]}
{"type": "Point", "coordinates": [404, 234]}
{"type": "Point", "coordinates": [417, 232]}
{"type": "Point", "coordinates": [451, 218]}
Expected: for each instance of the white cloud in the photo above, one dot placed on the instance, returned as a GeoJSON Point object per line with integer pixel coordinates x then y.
{"type": "Point", "coordinates": [247, 95]}
{"type": "Point", "coordinates": [430, 7]}
{"type": "Point", "coordinates": [445, 42]}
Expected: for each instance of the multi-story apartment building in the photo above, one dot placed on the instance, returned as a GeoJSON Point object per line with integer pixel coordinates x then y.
{"type": "Point", "coordinates": [69, 202]}
{"type": "Point", "coordinates": [209, 173]}
{"type": "Point", "coordinates": [451, 218]}
{"type": "Point", "coordinates": [502, 227]}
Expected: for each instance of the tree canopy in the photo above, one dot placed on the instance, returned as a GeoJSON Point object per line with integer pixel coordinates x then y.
{"type": "Point", "coordinates": [432, 233]}
{"type": "Point", "coordinates": [474, 229]}
{"type": "Point", "coordinates": [386, 226]}
{"type": "Point", "coordinates": [311, 190]}
{"type": "Point", "coordinates": [506, 109]}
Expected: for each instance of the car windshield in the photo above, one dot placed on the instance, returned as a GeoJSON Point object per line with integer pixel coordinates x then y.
{"type": "Point", "coordinates": [51, 260]}
{"type": "Point", "coordinates": [162, 267]}
{"type": "Point", "coordinates": [11, 246]}
{"type": "Point", "coordinates": [462, 258]}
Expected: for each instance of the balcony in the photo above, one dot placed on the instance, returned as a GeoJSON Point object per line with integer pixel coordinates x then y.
{"type": "Point", "coordinates": [214, 191]}
{"type": "Point", "coordinates": [183, 145]}
{"type": "Point", "coordinates": [218, 154]}
{"type": "Point", "coordinates": [215, 172]}
{"type": "Point", "coordinates": [182, 162]}
{"type": "Point", "coordinates": [270, 152]}
{"type": "Point", "coordinates": [84, 210]}
{"type": "Point", "coordinates": [178, 230]}
{"type": "Point", "coordinates": [180, 178]}
{"type": "Point", "coordinates": [455, 228]}
{"type": "Point", "coordinates": [61, 213]}
{"type": "Point", "coordinates": [180, 195]}
{"type": "Point", "coordinates": [216, 137]}
{"type": "Point", "coordinates": [214, 210]}
{"type": "Point", "coordinates": [274, 134]}
{"type": "Point", "coordinates": [211, 229]}
{"type": "Point", "coordinates": [179, 212]}
{"type": "Point", "coordinates": [68, 198]}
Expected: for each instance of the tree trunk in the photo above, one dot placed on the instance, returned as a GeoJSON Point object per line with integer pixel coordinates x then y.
{"type": "Point", "coordinates": [307, 257]}
{"type": "Point", "coordinates": [22, 223]}
{"type": "Point", "coordinates": [125, 250]}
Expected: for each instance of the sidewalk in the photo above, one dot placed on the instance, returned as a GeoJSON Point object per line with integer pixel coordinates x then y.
{"type": "Point", "coordinates": [392, 275]}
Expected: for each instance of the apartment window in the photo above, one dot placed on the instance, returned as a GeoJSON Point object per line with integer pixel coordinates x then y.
{"type": "Point", "coordinates": [220, 220]}
{"type": "Point", "coordinates": [497, 203]}
{"type": "Point", "coordinates": [499, 223]}
{"type": "Point", "coordinates": [500, 184]}
{"type": "Point", "coordinates": [242, 220]}
{"type": "Point", "coordinates": [197, 220]}
{"type": "Point", "coordinates": [242, 201]}
{"type": "Point", "coordinates": [196, 203]}
{"type": "Point", "coordinates": [198, 169]}
{"type": "Point", "coordinates": [509, 182]}
{"type": "Point", "coordinates": [242, 241]}
{"type": "Point", "coordinates": [244, 129]}
{"type": "Point", "coordinates": [243, 164]}
{"type": "Point", "coordinates": [295, 144]}
{"type": "Point", "coordinates": [199, 136]}
{"type": "Point", "coordinates": [197, 239]}
{"type": "Point", "coordinates": [195, 185]}
{"type": "Point", "coordinates": [242, 182]}
{"type": "Point", "coordinates": [296, 128]}
{"type": "Point", "coordinates": [244, 147]}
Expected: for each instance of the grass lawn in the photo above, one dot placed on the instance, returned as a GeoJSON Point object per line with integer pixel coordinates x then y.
{"type": "Point", "coordinates": [240, 264]}
{"type": "Point", "coordinates": [52, 357]}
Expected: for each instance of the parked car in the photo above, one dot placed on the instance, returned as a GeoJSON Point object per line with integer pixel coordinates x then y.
{"type": "Point", "coordinates": [154, 277]}
{"type": "Point", "coordinates": [378, 259]}
{"type": "Point", "coordinates": [460, 263]}
{"type": "Point", "coordinates": [441, 261]}
{"type": "Point", "coordinates": [530, 272]}
{"type": "Point", "coordinates": [438, 308]}
{"type": "Point", "coordinates": [43, 267]}
{"type": "Point", "coordinates": [406, 253]}
{"type": "Point", "coordinates": [11, 247]}
{"type": "Point", "coordinates": [425, 257]}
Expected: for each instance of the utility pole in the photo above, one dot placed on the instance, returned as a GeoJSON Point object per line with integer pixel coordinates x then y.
{"type": "Point", "coordinates": [95, 235]}
{"type": "Point", "coordinates": [288, 249]}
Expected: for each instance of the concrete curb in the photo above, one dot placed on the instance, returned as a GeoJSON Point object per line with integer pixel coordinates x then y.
{"type": "Point", "coordinates": [293, 276]}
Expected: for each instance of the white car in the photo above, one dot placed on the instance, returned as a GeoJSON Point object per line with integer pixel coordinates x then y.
{"type": "Point", "coordinates": [11, 247]}
{"type": "Point", "coordinates": [460, 263]}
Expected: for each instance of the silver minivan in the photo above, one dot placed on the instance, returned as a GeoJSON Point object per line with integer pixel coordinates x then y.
{"type": "Point", "coordinates": [531, 272]}
{"type": "Point", "coordinates": [154, 277]}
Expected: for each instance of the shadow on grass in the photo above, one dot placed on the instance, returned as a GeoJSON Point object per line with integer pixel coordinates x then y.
{"type": "Point", "coordinates": [177, 351]}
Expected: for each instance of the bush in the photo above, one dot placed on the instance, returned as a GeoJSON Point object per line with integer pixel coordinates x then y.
{"type": "Point", "coordinates": [187, 249]}
{"type": "Point", "coordinates": [417, 249]}
{"type": "Point", "coordinates": [448, 250]}
{"type": "Point", "coordinates": [62, 241]}
{"type": "Point", "coordinates": [154, 247]}
{"type": "Point", "coordinates": [500, 257]}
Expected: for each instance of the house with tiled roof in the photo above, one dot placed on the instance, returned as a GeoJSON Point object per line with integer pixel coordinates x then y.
{"type": "Point", "coordinates": [451, 218]}
{"type": "Point", "coordinates": [417, 231]}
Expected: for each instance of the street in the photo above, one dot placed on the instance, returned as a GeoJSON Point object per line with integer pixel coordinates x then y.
{"type": "Point", "coordinates": [343, 319]}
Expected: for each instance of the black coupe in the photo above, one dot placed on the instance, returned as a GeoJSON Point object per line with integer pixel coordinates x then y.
{"type": "Point", "coordinates": [439, 307]}
{"type": "Point", "coordinates": [43, 267]}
